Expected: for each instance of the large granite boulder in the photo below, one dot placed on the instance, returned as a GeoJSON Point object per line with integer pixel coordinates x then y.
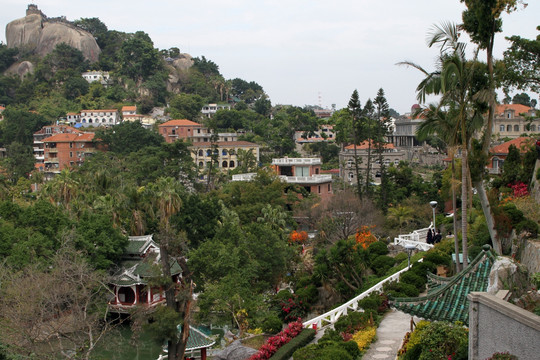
{"type": "Point", "coordinates": [40, 35]}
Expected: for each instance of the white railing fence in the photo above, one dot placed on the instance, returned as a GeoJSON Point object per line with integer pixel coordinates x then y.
{"type": "Point", "coordinates": [416, 238]}
{"type": "Point", "coordinates": [332, 316]}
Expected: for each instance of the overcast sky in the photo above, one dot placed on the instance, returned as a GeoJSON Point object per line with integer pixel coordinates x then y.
{"type": "Point", "coordinates": [302, 52]}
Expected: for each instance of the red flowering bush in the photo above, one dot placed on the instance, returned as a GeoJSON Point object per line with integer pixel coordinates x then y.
{"type": "Point", "coordinates": [298, 237]}
{"type": "Point", "coordinates": [275, 342]}
{"type": "Point", "coordinates": [293, 308]}
{"type": "Point", "coordinates": [519, 189]}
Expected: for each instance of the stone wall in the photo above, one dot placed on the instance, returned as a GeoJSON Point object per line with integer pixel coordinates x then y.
{"type": "Point", "coordinates": [498, 326]}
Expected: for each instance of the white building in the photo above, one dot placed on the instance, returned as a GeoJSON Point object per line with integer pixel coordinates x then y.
{"type": "Point", "coordinates": [94, 118]}
{"type": "Point", "coordinates": [92, 76]}
{"type": "Point", "coordinates": [211, 109]}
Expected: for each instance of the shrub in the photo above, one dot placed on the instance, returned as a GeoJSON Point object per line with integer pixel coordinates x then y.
{"type": "Point", "coordinates": [299, 341]}
{"type": "Point", "coordinates": [378, 247]}
{"type": "Point", "coordinates": [369, 304]}
{"type": "Point", "coordinates": [399, 289]}
{"type": "Point", "coordinates": [513, 213]}
{"type": "Point", "coordinates": [329, 350]}
{"type": "Point", "coordinates": [437, 340]}
{"type": "Point", "coordinates": [354, 321]}
{"type": "Point", "coordinates": [363, 338]}
{"type": "Point", "coordinates": [381, 264]}
{"type": "Point", "coordinates": [272, 324]}
{"type": "Point", "coordinates": [400, 258]}
{"type": "Point", "coordinates": [503, 356]}
{"type": "Point", "coordinates": [422, 268]}
{"type": "Point", "coordinates": [308, 294]}
{"type": "Point", "coordinates": [410, 277]}
{"type": "Point", "coordinates": [438, 257]}
{"type": "Point", "coordinates": [528, 226]}
{"type": "Point", "coordinates": [352, 348]}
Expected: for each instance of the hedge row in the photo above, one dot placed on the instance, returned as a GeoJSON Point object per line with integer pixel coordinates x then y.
{"type": "Point", "coordinates": [301, 340]}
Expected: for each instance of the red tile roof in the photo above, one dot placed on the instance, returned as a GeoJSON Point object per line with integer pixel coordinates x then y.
{"type": "Point", "coordinates": [100, 110]}
{"type": "Point", "coordinates": [518, 108]}
{"type": "Point", "coordinates": [82, 137]}
{"type": "Point", "coordinates": [520, 142]}
{"type": "Point", "coordinates": [225, 143]}
{"type": "Point", "coordinates": [180, 122]}
{"type": "Point", "coordinates": [364, 145]}
{"type": "Point", "coordinates": [129, 108]}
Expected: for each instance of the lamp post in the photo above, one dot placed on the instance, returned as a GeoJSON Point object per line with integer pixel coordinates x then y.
{"type": "Point", "coordinates": [433, 205]}
{"type": "Point", "coordinates": [410, 248]}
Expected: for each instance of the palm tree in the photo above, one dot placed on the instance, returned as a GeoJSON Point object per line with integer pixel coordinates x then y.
{"type": "Point", "coordinates": [437, 122]}
{"type": "Point", "coordinates": [457, 81]}
{"type": "Point", "coordinates": [401, 214]}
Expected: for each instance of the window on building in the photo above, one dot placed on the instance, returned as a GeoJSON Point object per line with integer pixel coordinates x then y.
{"type": "Point", "coordinates": [508, 128]}
{"type": "Point", "coordinates": [70, 145]}
{"type": "Point", "coordinates": [200, 153]}
{"type": "Point", "coordinates": [208, 152]}
{"type": "Point", "coordinates": [173, 131]}
{"type": "Point", "coordinates": [224, 152]}
{"type": "Point", "coordinates": [319, 190]}
{"type": "Point", "coordinates": [224, 164]}
{"type": "Point", "coordinates": [350, 163]}
{"type": "Point", "coordinates": [501, 128]}
{"type": "Point", "coordinates": [231, 164]}
{"type": "Point", "coordinates": [70, 154]}
{"type": "Point", "coordinates": [351, 176]}
{"type": "Point", "coordinates": [516, 128]}
{"type": "Point", "coordinates": [301, 171]}
{"type": "Point", "coordinates": [533, 127]}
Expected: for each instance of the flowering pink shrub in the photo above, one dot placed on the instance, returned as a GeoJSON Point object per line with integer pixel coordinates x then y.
{"type": "Point", "coordinates": [275, 342]}
{"type": "Point", "coordinates": [519, 189]}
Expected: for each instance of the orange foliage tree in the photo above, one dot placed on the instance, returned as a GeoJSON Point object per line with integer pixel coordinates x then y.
{"type": "Point", "coordinates": [298, 237]}
{"type": "Point", "coordinates": [364, 237]}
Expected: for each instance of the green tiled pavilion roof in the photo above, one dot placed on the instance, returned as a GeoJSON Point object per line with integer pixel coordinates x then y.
{"type": "Point", "coordinates": [198, 340]}
{"type": "Point", "coordinates": [447, 298]}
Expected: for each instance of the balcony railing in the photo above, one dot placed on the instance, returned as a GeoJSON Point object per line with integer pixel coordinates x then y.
{"type": "Point", "coordinates": [314, 179]}
{"type": "Point", "coordinates": [297, 161]}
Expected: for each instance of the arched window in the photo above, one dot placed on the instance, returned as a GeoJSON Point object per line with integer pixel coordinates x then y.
{"type": "Point", "coordinates": [224, 152]}
{"type": "Point", "coordinates": [232, 152]}
{"type": "Point", "coordinates": [200, 152]}
{"type": "Point", "coordinates": [89, 121]}
{"type": "Point", "coordinates": [201, 164]}
{"type": "Point", "coordinates": [231, 163]}
{"type": "Point", "coordinates": [208, 152]}
{"type": "Point", "coordinates": [516, 128]}
{"type": "Point", "coordinates": [224, 164]}
{"type": "Point", "coordinates": [501, 128]}
{"type": "Point", "coordinates": [508, 128]}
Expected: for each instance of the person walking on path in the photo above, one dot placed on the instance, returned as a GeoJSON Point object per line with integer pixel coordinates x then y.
{"type": "Point", "coordinates": [429, 238]}
{"type": "Point", "coordinates": [438, 237]}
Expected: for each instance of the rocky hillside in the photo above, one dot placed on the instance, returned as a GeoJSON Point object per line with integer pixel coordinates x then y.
{"type": "Point", "coordinates": [38, 34]}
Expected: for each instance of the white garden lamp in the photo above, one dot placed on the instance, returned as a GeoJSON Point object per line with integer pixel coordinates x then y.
{"type": "Point", "coordinates": [433, 205]}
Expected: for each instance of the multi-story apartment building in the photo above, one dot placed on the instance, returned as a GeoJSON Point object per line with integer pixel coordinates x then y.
{"type": "Point", "coordinates": [304, 172]}
{"type": "Point", "coordinates": [183, 129]}
{"type": "Point", "coordinates": [515, 120]}
{"type": "Point", "coordinates": [210, 109]}
{"type": "Point", "coordinates": [65, 150]}
{"type": "Point", "coordinates": [43, 133]}
{"type": "Point", "coordinates": [226, 153]}
{"type": "Point", "coordinates": [94, 118]}
{"type": "Point", "coordinates": [391, 156]}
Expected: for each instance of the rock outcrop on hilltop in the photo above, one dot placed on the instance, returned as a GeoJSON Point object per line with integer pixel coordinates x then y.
{"type": "Point", "coordinates": [39, 34]}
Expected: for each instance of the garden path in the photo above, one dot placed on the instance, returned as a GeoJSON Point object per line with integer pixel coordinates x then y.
{"type": "Point", "coordinates": [390, 334]}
